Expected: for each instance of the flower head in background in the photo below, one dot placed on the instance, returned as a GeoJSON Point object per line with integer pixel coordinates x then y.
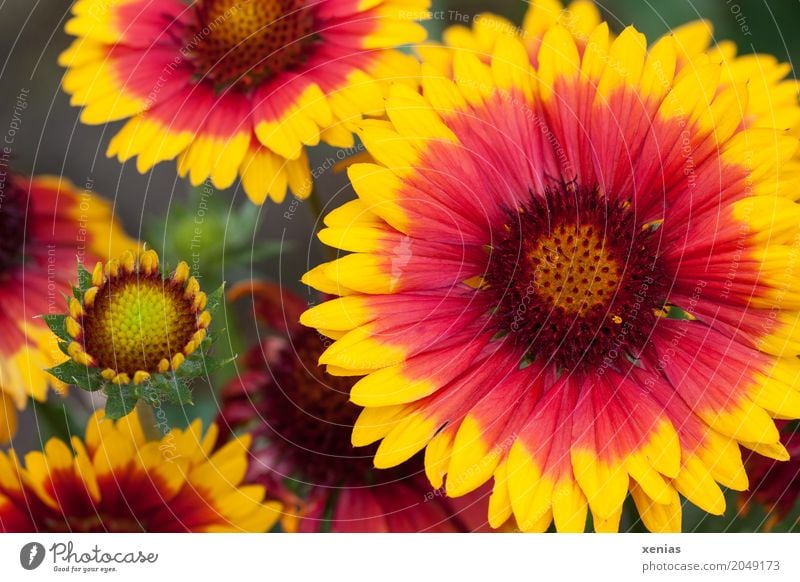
{"type": "Point", "coordinates": [301, 421]}
{"type": "Point", "coordinates": [572, 274]}
{"type": "Point", "coordinates": [46, 226]}
{"type": "Point", "coordinates": [774, 485]}
{"type": "Point", "coordinates": [581, 17]}
{"type": "Point", "coordinates": [116, 481]}
{"type": "Point", "coordinates": [135, 333]}
{"type": "Point", "coordinates": [236, 87]}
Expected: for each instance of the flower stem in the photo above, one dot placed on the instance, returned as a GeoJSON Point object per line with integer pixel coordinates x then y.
{"type": "Point", "coordinates": [58, 418]}
{"type": "Point", "coordinates": [147, 420]}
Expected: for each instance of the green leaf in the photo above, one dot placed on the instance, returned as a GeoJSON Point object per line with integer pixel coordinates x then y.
{"type": "Point", "coordinates": [673, 312]}
{"type": "Point", "coordinates": [215, 299]}
{"type": "Point", "coordinates": [180, 392]}
{"type": "Point", "coordinates": [167, 387]}
{"type": "Point", "coordinates": [121, 400]}
{"type": "Point", "coordinates": [84, 279]}
{"type": "Point", "coordinates": [71, 372]}
{"type": "Point", "coordinates": [63, 346]}
{"type": "Point", "coordinates": [91, 382]}
{"type": "Point", "coordinates": [57, 324]}
{"type": "Point", "coordinates": [192, 367]}
{"type": "Point", "coordinates": [214, 364]}
{"type": "Point", "coordinates": [201, 364]}
{"type": "Point", "coordinates": [150, 394]}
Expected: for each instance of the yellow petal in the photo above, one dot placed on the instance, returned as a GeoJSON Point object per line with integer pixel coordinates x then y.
{"type": "Point", "coordinates": [658, 517]}
{"type": "Point", "coordinates": [472, 462]}
{"type": "Point", "coordinates": [605, 485]}
{"type": "Point", "coordinates": [558, 59]}
{"type": "Point", "coordinates": [405, 440]}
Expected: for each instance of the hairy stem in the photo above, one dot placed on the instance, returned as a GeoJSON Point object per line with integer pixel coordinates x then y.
{"type": "Point", "coordinates": [147, 420]}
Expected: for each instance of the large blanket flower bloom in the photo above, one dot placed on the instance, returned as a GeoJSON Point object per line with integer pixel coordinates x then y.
{"type": "Point", "coordinates": [573, 272]}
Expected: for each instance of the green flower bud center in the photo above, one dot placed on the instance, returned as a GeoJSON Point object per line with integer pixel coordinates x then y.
{"type": "Point", "coordinates": [136, 321]}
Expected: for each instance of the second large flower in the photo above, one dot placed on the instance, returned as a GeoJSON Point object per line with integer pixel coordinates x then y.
{"type": "Point", "coordinates": [572, 273]}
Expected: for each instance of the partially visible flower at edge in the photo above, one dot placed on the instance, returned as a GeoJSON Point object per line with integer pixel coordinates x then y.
{"type": "Point", "coordinates": [580, 17]}
{"type": "Point", "coordinates": [116, 481]}
{"type": "Point", "coordinates": [47, 224]}
{"type": "Point", "coordinates": [774, 485]}
{"type": "Point", "coordinates": [233, 88]}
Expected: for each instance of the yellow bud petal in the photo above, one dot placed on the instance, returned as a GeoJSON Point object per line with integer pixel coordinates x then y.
{"type": "Point", "coordinates": [122, 379]}
{"type": "Point", "coordinates": [75, 350]}
{"type": "Point", "coordinates": [204, 320]}
{"type": "Point", "coordinates": [148, 262]}
{"type": "Point", "coordinates": [75, 309]}
{"type": "Point", "coordinates": [163, 365]}
{"type": "Point", "coordinates": [189, 348]}
{"type": "Point", "coordinates": [73, 327]}
{"type": "Point", "coordinates": [181, 272]}
{"type": "Point", "coordinates": [128, 261]}
{"type": "Point", "coordinates": [109, 374]}
{"type": "Point", "coordinates": [177, 361]}
{"type": "Point", "coordinates": [200, 301]}
{"type": "Point", "coordinates": [192, 288]}
{"type": "Point", "coordinates": [98, 278]}
{"type": "Point", "coordinates": [140, 377]}
{"type": "Point", "coordinates": [112, 268]}
{"type": "Point", "coordinates": [89, 296]}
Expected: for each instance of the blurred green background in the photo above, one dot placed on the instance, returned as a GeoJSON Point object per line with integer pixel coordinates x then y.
{"type": "Point", "coordinates": [240, 240]}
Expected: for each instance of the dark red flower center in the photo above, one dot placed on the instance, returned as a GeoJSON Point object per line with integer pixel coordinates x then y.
{"type": "Point", "coordinates": [13, 206]}
{"type": "Point", "coordinates": [303, 411]}
{"type": "Point", "coordinates": [576, 277]}
{"type": "Point", "coordinates": [244, 41]}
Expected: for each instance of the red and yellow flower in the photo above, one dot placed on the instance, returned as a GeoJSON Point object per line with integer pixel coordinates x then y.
{"type": "Point", "coordinates": [301, 421]}
{"type": "Point", "coordinates": [46, 225]}
{"type": "Point", "coordinates": [572, 273]}
{"type": "Point", "coordinates": [236, 87]}
{"type": "Point", "coordinates": [117, 481]}
{"type": "Point", "coordinates": [774, 486]}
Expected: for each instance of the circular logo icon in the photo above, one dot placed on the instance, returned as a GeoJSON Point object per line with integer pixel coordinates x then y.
{"type": "Point", "coordinates": [31, 555]}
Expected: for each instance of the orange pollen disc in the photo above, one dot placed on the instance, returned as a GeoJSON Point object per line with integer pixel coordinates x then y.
{"type": "Point", "coordinates": [575, 276]}
{"type": "Point", "coordinates": [573, 269]}
{"type": "Point", "coordinates": [238, 41]}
